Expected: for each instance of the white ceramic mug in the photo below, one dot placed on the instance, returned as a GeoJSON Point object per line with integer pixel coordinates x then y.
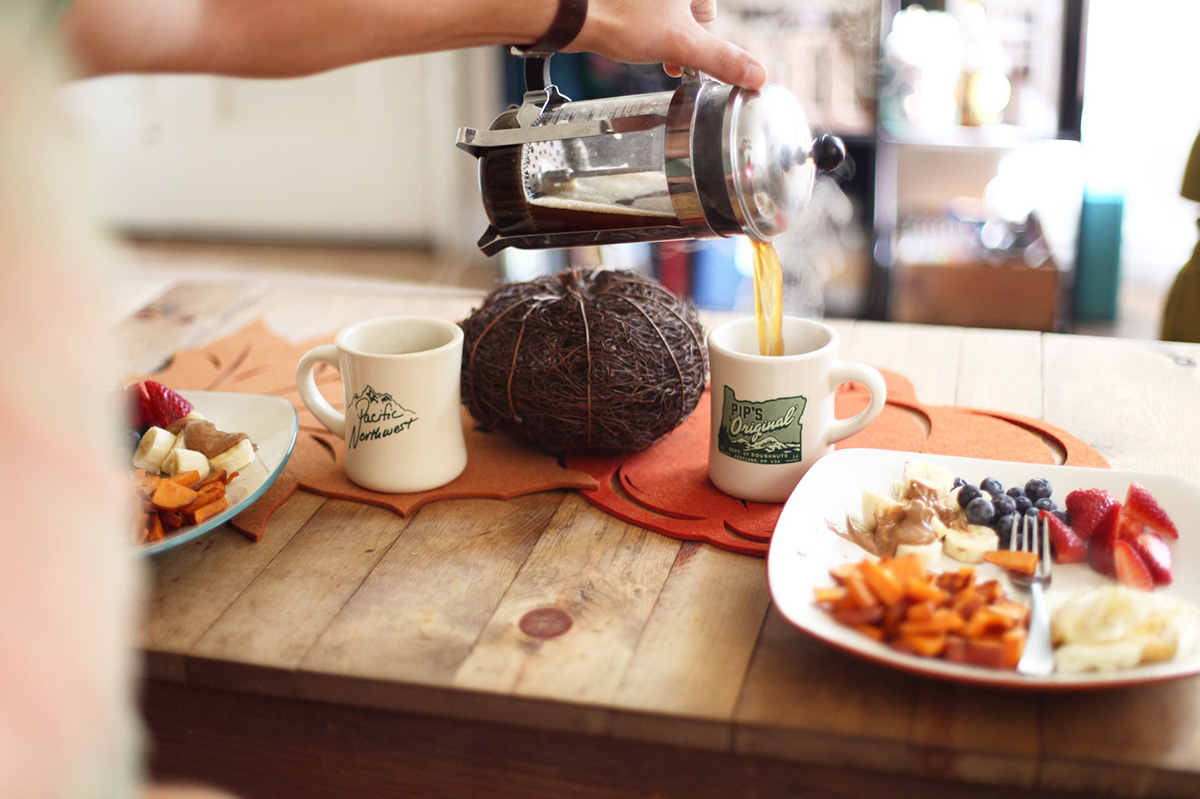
{"type": "Point", "coordinates": [403, 426]}
{"type": "Point", "coordinates": [772, 416]}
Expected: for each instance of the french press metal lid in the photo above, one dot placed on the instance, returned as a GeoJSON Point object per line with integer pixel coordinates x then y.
{"type": "Point", "coordinates": [704, 160]}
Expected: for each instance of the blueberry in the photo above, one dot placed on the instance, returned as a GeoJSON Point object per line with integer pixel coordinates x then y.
{"type": "Point", "coordinates": [1016, 492]}
{"type": "Point", "coordinates": [1004, 505]}
{"type": "Point", "coordinates": [134, 438]}
{"type": "Point", "coordinates": [980, 511]}
{"type": "Point", "coordinates": [1023, 503]}
{"type": "Point", "coordinates": [1062, 515]}
{"type": "Point", "coordinates": [992, 486]}
{"type": "Point", "coordinates": [1045, 503]}
{"type": "Point", "coordinates": [1038, 488]}
{"type": "Point", "coordinates": [958, 483]}
{"type": "Point", "coordinates": [1004, 528]}
{"type": "Point", "coordinates": [966, 494]}
{"type": "Point", "coordinates": [1033, 512]}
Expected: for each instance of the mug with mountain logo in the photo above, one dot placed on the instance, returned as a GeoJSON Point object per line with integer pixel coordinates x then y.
{"type": "Point", "coordinates": [772, 415]}
{"type": "Point", "coordinates": [402, 423]}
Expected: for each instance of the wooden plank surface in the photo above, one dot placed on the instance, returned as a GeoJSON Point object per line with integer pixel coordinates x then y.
{"type": "Point", "coordinates": [548, 617]}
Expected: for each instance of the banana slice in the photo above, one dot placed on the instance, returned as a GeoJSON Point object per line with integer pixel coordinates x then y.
{"type": "Point", "coordinates": [180, 460]}
{"type": "Point", "coordinates": [1113, 656]}
{"type": "Point", "coordinates": [969, 544]}
{"type": "Point", "coordinates": [155, 445]}
{"type": "Point", "coordinates": [234, 459]}
{"type": "Point", "coordinates": [928, 554]}
{"type": "Point", "coordinates": [875, 505]}
{"type": "Point", "coordinates": [920, 478]}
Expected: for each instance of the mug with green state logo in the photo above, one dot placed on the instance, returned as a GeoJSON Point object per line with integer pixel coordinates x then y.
{"type": "Point", "coordinates": [773, 415]}
{"type": "Point", "coordinates": [402, 424]}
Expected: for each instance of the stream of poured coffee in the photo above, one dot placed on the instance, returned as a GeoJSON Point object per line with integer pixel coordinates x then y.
{"type": "Point", "coordinates": [768, 298]}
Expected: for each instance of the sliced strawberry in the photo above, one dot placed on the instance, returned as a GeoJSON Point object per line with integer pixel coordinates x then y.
{"type": "Point", "coordinates": [137, 401]}
{"type": "Point", "coordinates": [1141, 506]}
{"type": "Point", "coordinates": [1132, 571]}
{"type": "Point", "coordinates": [1068, 547]}
{"type": "Point", "coordinates": [1103, 540]}
{"type": "Point", "coordinates": [1156, 554]}
{"type": "Point", "coordinates": [1085, 507]}
{"type": "Point", "coordinates": [166, 406]}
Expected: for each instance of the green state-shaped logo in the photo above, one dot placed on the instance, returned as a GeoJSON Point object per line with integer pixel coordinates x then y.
{"type": "Point", "coordinates": [761, 432]}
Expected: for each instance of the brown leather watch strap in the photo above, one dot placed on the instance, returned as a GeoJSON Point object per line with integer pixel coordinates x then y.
{"type": "Point", "coordinates": [568, 22]}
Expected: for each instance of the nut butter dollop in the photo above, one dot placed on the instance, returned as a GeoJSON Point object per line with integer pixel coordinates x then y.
{"type": "Point", "coordinates": [910, 523]}
{"type": "Point", "coordinates": [204, 437]}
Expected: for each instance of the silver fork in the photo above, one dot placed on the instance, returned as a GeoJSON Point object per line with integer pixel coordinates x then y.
{"type": "Point", "coordinates": [1038, 658]}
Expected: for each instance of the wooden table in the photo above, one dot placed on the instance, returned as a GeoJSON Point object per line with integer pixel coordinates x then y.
{"type": "Point", "coordinates": [356, 653]}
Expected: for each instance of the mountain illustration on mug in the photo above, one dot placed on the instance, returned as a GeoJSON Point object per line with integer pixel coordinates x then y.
{"type": "Point", "coordinates": [374, 416]}
{"type": "Point", "coordinates": [761, 432]}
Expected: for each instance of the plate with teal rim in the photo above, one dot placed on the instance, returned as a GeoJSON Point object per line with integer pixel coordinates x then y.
{"type": "Point", "coordinates": [804, 548]}
{"type": "Point", "coordinates": [271, 423]}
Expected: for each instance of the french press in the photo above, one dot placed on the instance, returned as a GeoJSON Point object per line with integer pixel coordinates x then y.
{"type": "Point", "coordinates": [701, 161]}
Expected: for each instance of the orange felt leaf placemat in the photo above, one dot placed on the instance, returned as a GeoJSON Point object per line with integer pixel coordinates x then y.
{"type": "Point", "coordinates": [256, 361]}
{"type": "Point", "coordinates": [666, 488]}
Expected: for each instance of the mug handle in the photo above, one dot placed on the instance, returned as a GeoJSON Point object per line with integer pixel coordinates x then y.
{"type": "Point", "coordinates": [844, 372]}
{"type": "Point", "coordinates": [307, 386]}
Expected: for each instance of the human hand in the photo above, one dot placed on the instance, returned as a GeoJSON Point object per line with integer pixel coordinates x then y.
{"type": "Point", "coordinates": [675, 32]}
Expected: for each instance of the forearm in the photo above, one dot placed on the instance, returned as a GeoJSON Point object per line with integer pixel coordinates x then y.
{"type": "Point", "coordinates": [266, 38]}
{"type": "Point", "coordinates": [263, 38]}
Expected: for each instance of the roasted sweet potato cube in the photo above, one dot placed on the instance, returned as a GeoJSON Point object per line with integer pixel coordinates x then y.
{"type": "Point", "coordinates": [922, 590]}
{"type": "Point", "coordinates": [1014, 646]}
{"type": "Point", "coordinates": [206, 494]}
{"type": "Point", "coordinates": [852, 618]}
{"type": "Point", "coordinates": [987, 621]}
{"type": "Point", "coordinates": [829, 595]}
{"type": "Point", "coordinates": [171, 495]}
{"type": "Point", "coordinates": [188, 478]}
{"type": "Point", "coordinates": [154, 530]}
{"type": "Point", "coordinates": [206, 512]}
{"type": "Point", "coordinates": [859, 591]}
{"type": "Point", "coordinates": [986, 652]}
{"type": "Point", "coordinates": [139, 526]}
{"type": "Point", "coordinates": [870, 631]}
{"type": "Point", "coordinates": [929, 645]}
{"type": "Point", "coordinates": [840, 572]}
{"type": "Point", "coordinates": [920, 611]}
{"type": "Point", "coordinates": [907, 567]}
{"type": "Point", "coordinates": [893, 617]}
{"type": "Point", "coordinates": [882, 582]}
{"type": "Point", "coordinates": [941, 622]}
{"type": "Point", "coordinates": [144, 484]}
{"type": "Point", "coordinates": [170, 519]}
{"type": "Point", "coordinates": [213, 477]}
{"type": "Point", "coordinates": [1014, 560]}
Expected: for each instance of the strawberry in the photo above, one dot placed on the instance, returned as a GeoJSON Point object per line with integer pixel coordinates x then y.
{"type": "Point", "coordinates": [137, 401]}
{"type": "Point", "coordinates": [1142, 507]}
{"type": "Point", "coordinates": [1132, 571]}
{"type": "Point", "coordinates": [1156, 554]}
{"type": "Point", "coordinates": [1068, 547]}
{"type": "Point", "coordinates": [1103, 541]}
{"type": "Point", "coordinates": [165, 405]}
{"type": "Point", "coordinates": [1085, 508]}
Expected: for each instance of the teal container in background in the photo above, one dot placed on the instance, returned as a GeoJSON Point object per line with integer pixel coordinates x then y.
{"type": "Point", "coordinates": [1098, 262]}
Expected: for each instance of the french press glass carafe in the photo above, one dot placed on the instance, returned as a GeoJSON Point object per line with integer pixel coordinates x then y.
{"type": "Point", "coordinates": [701, 161]}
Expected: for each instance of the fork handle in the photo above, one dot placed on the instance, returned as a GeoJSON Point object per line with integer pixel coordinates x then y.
{"type": "Point", "coordinates": [1038, 657]}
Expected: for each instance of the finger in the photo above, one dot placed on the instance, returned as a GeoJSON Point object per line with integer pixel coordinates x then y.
{"type": "Point", "coordinates": [704, 12]}
{"type": "Point", "coordinates": [724, 61]}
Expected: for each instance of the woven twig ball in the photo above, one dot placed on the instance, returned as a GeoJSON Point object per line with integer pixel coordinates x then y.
{"type": "Point", "coordinates": [585, 361]}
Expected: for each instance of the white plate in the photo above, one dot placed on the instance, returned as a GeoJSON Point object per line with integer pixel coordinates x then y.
{"type": "Point", "coordinates": [803, 549]}
{"type": "Point", "coordinates": [271, 423]}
